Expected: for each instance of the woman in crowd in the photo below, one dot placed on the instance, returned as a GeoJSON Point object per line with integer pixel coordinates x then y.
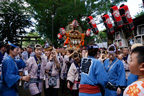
{"type": "Point", "coordinates": [63, 79]}
{"type": "Point", "coordinates": [73, 76]}
{"type": "Point", "coordinates": [47, 52]}
{"type": "Point", "coordinates": [67, 61]}
{"type": "Point", "coordinates": [53, 68]}
{"type": "Point", "coordinates": [36, 69]}
{"type": "Point", "coordinates": [10, 74]}
{"type": "Point", "coordinates": [61, 55]}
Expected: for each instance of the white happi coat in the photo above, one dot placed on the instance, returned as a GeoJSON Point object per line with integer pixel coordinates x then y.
{"type": "Point", "coordinates": [73, 76]}
{"type": "Point", "coordinates": [61, 58]}
{"type": "Point", "coordinates": [61, 65]}
{"type": "Point", "coordinates": [55, 72]}
{"type": "Point", "coordinates": [32, 68]}
{"type": "Point", "coordinates": [64, 68]}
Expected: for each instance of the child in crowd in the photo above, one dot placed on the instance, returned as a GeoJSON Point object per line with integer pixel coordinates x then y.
{"type": "Point", "coordinates": [136, 68]}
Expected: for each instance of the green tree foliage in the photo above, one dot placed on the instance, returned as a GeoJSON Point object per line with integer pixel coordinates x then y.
{"type": "Point", "coordinates": [14, 18]}
{"type": "Point", "coordinates": [139, 14]}
{"type": "Point", "coordinates": [33, 34]}
{"type": "Point", "coordinates": [99, 38]}
{"type": "Point", "coordinates": [103, 36]}
{"type": "Point", "coordinates": [66, 11]}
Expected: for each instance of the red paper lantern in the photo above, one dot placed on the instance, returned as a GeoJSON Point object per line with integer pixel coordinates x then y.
{"type": "Point", "coordinates": [62, 31]}
{"type": "Point", "coordinates": [116, 16]}
{"type": "Point", "coordinates": [88, 32]}
{"type": "Point", "coordinates": [59, 36]}
{"type": "Point", "coordinates": [120, 43]}
{"type": "Point", "coordinates": [75, 23]}
{"type": "Point", "coordinates": [126, 17]}
{"type": "Point", "coordinates": [108, 23]}
{"type": "Point", "coordinates": [92, 24]}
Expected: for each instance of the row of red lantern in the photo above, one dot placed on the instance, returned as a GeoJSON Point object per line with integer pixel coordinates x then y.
{"type": "Point", "coordinates": [126, 17]}
{"type": "Point", "coordinates": [92, 24]}
{"type": "Point", "coordinates": [120, 16]}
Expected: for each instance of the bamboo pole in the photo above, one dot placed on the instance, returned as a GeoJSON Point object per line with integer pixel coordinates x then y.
{"type": "Point", "coordinates": [101, 40]}
{"type": "Point", "coordinates": [123, 36]}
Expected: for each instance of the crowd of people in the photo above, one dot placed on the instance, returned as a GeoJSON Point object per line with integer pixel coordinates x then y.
{"type": "Point", "coordinates": [85, 71]}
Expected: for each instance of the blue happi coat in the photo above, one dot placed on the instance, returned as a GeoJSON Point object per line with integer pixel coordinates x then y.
{"type": "Point", "coordinates": [131, 78]}
{"type": "Point", "coordinates": [20, 63]}
{"type": "Point", "coordinates": [92, 74]}
{"type": "Point", "coordinates": [9, 76]}
{"type": "Point", "coordinates": [1, 58]}
{"type": "Point", "coordinates": [116, 75]}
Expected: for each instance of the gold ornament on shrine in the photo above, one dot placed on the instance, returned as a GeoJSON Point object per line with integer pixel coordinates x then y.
{"type": "Point", "coordinates": [73, 37]}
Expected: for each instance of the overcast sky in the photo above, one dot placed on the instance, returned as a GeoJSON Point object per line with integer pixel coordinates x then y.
{"type": "Point", "coordinates": [134, 6]}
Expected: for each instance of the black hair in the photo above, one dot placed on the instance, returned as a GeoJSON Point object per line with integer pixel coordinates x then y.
{"type": "Point", "coordinates": [140, 52]}
{"type": "Point", "coordinates": [104, 48]}
{"type": "Point", "coordinates": [2, 45]}
{"type": "Point", "coordinates": [37, 45]}
{"type": "Point", "coordinates": [111, 48]}
{"type": "Point", "coordinates": [76, 54]}
{"type": "Point", "coordinates": [92, 51]}
{"type": "Point", "coordinates": [22, 49]}
{"type": "Point", "coordinates": [103, 52]}
{"type": "Point", "coordinates": [125, 47]}
{"type": "Point", "coordinates": [10, 48]}
{"type": "Point", "coordinates": [70, 51]}
{"type": "Point", "coordinates": [119, 52]}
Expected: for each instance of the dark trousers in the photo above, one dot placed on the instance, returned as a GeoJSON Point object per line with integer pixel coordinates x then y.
{"type": "Point", "coordinates": [63, 86]}
{"type": "Point", "coordinates": [75, 93]}
{"type": "Point", "coordinates": [44, 87]}
{"type": "Point", "coordinates": [39, 94]}
{"type": "Point", "coordinates": [52, 91]}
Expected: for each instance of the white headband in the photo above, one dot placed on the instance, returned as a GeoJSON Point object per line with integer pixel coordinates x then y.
{"type": "Point", "coordinates": [93, 46]}
{"type": "Point", "coordinates": [112, 45]}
